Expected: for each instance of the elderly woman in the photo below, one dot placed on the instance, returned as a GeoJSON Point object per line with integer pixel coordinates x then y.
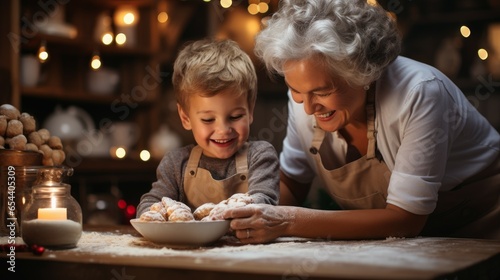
{"type": "Point", "coordinates": [396, 144]}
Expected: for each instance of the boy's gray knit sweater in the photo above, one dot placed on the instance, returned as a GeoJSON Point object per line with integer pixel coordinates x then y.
{"type": "Point", "coordinates": [263, 174]}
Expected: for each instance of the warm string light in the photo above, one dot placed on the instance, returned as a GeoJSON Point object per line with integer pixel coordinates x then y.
{"type": "Point", "coordinates": [126, 19]}
{"type": "Point", "coordinates": [126, 15]}
{"type": "Point", "coordinates": [129, 18]}
{"type": "Point", "coordinates": [107, 38]}
{"type": "Point", "coordinates": [145, 155]}
{"type": "Point", "coordinates": [43, 55]}
{"type": "Point", "coordinates": [162, 17]}
{"type": "Point", "coordinates": [466, 32]}
{"type": "Point", "coordinates": [120, 152]}
{"type": "Point", "coordinates": [104, 29]}
{"type": "Point", "coordinates": [258, 6]}
{"type": "Point", "coordinates": [120, 39]}
{"type": "Point", "coordinates": [483, 54]}
{"type": "Point", "coordinates": [226, 3]}
{"type": "Point", "coordinates": [95, 62]}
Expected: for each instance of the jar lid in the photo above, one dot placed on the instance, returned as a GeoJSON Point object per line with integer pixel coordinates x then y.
{"type": "Point", "coordinates": [51, 175]}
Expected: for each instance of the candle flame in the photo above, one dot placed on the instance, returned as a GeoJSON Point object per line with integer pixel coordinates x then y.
{"type": "Point", "coordinates": [53, 202]}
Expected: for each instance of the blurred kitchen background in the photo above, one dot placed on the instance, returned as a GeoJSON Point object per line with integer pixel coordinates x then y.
{"type": "Point", "coordinates": [97, 74]}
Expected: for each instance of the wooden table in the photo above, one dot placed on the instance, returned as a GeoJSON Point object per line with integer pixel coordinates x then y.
{"type": "Point", "coordinates": [120, 253]}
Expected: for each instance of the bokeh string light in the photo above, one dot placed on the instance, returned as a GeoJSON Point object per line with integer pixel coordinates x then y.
{"type": "Point", "coordinates": [95, 62]}
{"type": "Point", "coordinates": [43, 55]}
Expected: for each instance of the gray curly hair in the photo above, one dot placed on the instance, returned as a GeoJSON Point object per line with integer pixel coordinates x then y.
{"type": "Point", "coordinates": [354, 39]}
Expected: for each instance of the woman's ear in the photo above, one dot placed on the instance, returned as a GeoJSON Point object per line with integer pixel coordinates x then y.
{"type": "Point", "coordinates": [186, 123]}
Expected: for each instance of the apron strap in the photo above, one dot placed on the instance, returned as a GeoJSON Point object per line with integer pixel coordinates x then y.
{"type": "Point", "coordinates": [194, 159]}
{"type": "Point", "coordinates": [370, 115]}
{"type": "Point", "coordinates": [242, 159]}
{"type": "Point", "coordinates": [318, 136]}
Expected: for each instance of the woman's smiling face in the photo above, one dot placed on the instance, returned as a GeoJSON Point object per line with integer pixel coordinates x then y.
{"type": "Point", "coordinates": [334, 103]}
{"type": "Point", "coordinates": [220, 124]}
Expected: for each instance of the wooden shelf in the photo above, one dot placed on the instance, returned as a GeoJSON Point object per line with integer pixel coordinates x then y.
{"type": "Point", "coordinates": [65, 77]}
{"type": "Point", "coordinates": [459, 17]}
{"type": "Point", "coordinates": [95, 165]}
{"type": "Point", "coordinates": [64, 45]}
{"type": "Point", "coordinates": [117, 3]}
{"type": "Point", "coordinates": [58, 93]}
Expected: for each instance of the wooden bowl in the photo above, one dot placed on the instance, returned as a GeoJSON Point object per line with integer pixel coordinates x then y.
{"type": "Point", "coordinates": [20, 158]}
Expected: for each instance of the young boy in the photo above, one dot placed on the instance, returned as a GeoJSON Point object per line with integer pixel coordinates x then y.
{"type": "Point", "coordinates": [216, 88]}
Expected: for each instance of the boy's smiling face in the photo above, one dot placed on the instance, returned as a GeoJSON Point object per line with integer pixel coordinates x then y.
{"type": "Point", "coordinates": [220, 124]}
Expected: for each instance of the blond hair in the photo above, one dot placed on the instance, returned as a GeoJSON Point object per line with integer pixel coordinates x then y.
{"type": "Point", "coordinates": [207, 67]}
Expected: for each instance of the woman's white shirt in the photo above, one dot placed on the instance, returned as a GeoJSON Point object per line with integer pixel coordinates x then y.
{"type": "Point", "coordinates": [429, 134]}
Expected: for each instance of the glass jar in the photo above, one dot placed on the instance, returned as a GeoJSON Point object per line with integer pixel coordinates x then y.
{"type": "Point", "coordinates": [18, 171]}
{"type": "Point", "coordinates": [52, 218]}
{"type": "Point", "coordinates": [16, 191]}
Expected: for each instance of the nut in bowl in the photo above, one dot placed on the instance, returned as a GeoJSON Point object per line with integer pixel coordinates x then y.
{"type": "Point", "coordinates": [182, 234]}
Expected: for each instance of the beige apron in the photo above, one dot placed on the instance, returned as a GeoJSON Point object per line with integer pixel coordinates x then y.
{"type": "Point", "coordinates": [200, 187]}
{"type": "Point", "coordinates": [363, 183]}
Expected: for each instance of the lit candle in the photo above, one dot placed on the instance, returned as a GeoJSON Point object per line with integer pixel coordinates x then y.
{"type": "Point", "coordinates": [52, 213]}
{"type": "Point", "coordinates": [52, 228]}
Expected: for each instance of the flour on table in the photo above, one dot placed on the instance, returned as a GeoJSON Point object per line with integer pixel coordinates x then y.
{"type": "Point", "coordinates": [391, 252]}
{"type": "Point", "coordinates": [418, 254]}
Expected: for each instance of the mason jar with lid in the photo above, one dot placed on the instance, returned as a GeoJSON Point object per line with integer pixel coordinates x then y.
{"type": "Point", "coordinates": [52, 218]}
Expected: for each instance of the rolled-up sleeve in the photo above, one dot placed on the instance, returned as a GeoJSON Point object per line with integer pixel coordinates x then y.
{"type": "Point", "coordinates": [415, 194]}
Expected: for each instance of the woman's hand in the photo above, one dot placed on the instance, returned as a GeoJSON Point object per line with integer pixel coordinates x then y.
{"type": "Point", "coordinates": [259, 223]}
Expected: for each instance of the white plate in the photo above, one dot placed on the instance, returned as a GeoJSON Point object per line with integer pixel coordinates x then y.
{"type": "Point", "coordinates": [193, 233]}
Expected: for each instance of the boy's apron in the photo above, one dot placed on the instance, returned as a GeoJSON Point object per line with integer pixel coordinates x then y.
{"type": "Point", "coordinates": [200, 187]}
{"type": "Point", "coordinates": [363, 183]}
